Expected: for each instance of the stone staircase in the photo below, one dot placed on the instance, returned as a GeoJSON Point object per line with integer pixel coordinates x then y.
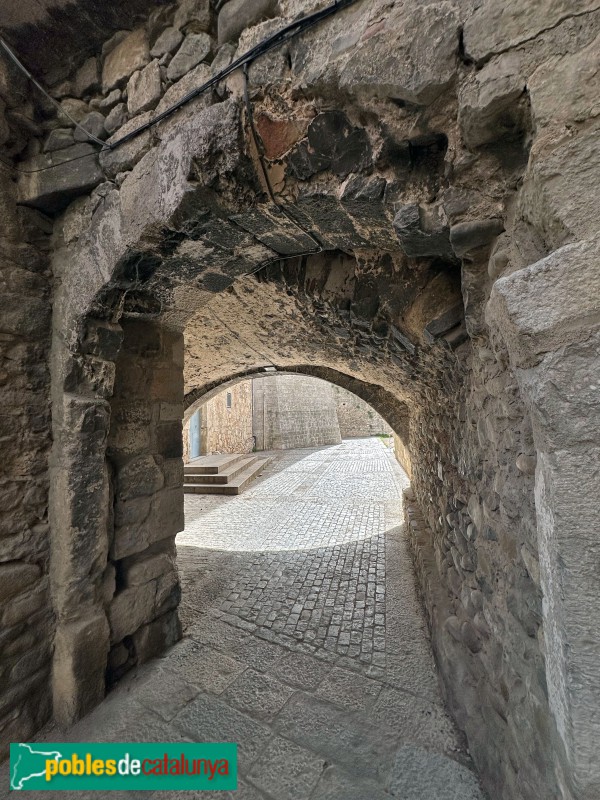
{"type": "Point", "coordinates": [222, 474]}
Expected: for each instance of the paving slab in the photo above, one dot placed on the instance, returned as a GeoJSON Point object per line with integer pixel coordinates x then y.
{"type": "Point", "coordinates": [336, 784]}
{"type": "Point", "coordinates": [421, 775]}
{"type": "Point", "coordinates": [203, 666]}
{"type": "Point", "coordinates": [349, 690]}
{"type": "Point", "coordinates": [287, 771]}
{"type": "Point", "coordinates": [365, 749]}
{"type": "Point", "coordinates": [209, 719]}
{"type": "Point", "coordinates": [258, 695]}
{"type": "Point", "coordinates": [301, 671]}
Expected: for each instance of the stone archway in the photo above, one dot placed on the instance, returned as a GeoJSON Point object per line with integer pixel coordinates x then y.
{"type": "Point", "coordinates": [435, 187]}
{"type": "Point", "coordinates": [394, 412]}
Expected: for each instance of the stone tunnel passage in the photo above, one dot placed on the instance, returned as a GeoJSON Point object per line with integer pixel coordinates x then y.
{"type": "Point", "coordinates": [304, 641]}
{"type": "Point", "coordinates": [407, 217]}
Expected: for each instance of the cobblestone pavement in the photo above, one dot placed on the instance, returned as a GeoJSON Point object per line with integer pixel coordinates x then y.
{"type": "Point", "coordinates": [304, 643]}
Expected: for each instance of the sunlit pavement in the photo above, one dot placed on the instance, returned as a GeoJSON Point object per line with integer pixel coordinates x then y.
{"type": "Point", "coordinates": [303, 642]}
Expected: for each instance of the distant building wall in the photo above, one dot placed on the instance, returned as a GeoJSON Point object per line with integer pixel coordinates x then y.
{"type": "Point", "coordinates": [356, 418]}
{"type": "Point", "coordinates": [280, 412]}
{"type": "Point", "coordinates": [294, 411]}
{"type": "Point", "coordinates": [225, 422]}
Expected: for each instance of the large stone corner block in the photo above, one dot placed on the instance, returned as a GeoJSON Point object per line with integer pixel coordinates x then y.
{"type": "Point", "coordinates": [78, 675]}
{"type": "Point", "coordinates": [549, 304]}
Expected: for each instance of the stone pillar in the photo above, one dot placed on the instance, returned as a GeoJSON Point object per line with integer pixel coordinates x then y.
{"type": "Point", "coordinates": [145, 453]}
{"type": "Point", "coordinates": [548, 315]}
{"type": "Point", "coordinates": [116, 505]}
{"type": "Point", "coordinates": [80, 518]}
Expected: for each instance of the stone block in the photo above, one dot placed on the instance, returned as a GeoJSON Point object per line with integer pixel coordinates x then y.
{"type": "Point", "coordinates": [492, 105]}
{"type": "Point", "coordinates": [467, 236]}
{"type": "Point", "coordinates": [168, 591]}
{"type": "Point", "coordinates": [74, 109]}
{"type": "Point", "coordinates": [16, 576]}
{"type": "Point", "coordinates": [32, 661]}
{"type": "Point", "coordinates": [126, 156]}
{"type": "Point", "coordinates": [116, 118]}
{"type": "Point", "coordinates": [422, 236]}
{"type": "Point", "coordinates": [24, 316]}
{"type": "Point", "coordinates": [131, 54]}
{"type": "Point", "coordinates": [153, 639]}
{"type": "Point", "coordinates": [562, 89]}
{"type": "Point", "coordinates": [496, 27]}
{"type": "Point", "coordinates": [171, 412]}
{"type": "Point", "coordinates": [132, 511]}
{"type": "Point", "coordinates": [548, 304]}
{"type": "Point", "coordinates": [81, 546]}
{"type": "Point", "coordinates": [80, 658]}
{"type": "Point", "coordinates": [196, 47]}
{"type": "Point", "coordinates": [560, 186]}
{"type": "Point", "coordinates": [168, 41]}
{"type": "Point", "coordinates": [287, 771]}
{"type": "Point", "coordinates": [58, 139]}
{"type": "Point", "coordinates": [93, 123]}
{"type": "Point", "coordinates": [444, 323]}
{"type": "Point", "coordinates": [418, 773]}
{"type": "Point", "coordinates": [169, 440]}
{"type": "Point", "coordinates": [142, 568]}
{"type": "Point", "coordinates": [138, 477]}
{"type": "Point", "coordinates": [163, 521]}
{"type": "Point", "coordinates": [236, 15]}
{"type": "Point", "coordinates": [24, 606]}
{"type": "Point", "coordinates": [173, 471]}
{"type": "Point", "coordinates": [61, 178]}
{"type": "Point", "coordinates": [87, 78]}
{"type": "Point", "coordinates": [193, 16]}
{"type": "Point", "coordinates": [130, 609]}
{"type": "Point", "coordinates": [200, 718]}
{"type": "Point", "coordinates": [412, 57]}
{"type": "Point", "coordinates": [144, 89]}
{"type": "Point", "coordinates": [105, 104]}
{"type": "Point", "coordinates": [103, 339]}
{"type": "Point", "coordinates": [332, 143]}
{"type": "Point", "coordinates": [33, 712]}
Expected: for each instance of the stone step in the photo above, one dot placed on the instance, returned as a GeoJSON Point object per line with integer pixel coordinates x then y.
{"type": "Point", "coordinates": [235, 486]}
{"type": "Point", "coordinates": [223, 476]}
{"type": "Point", "coordinates": [212, 465]}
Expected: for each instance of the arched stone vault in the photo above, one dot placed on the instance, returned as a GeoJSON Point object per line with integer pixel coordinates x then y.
{"type": "Point", "coordinates": [395, 413]}
{"type": "Point", "coordinates": [444, 158]}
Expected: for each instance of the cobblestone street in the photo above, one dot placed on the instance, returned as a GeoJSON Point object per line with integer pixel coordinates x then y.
{"type": "Point", "coordinates": [303, 642]}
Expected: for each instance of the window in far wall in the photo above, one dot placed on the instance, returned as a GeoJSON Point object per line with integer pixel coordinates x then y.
{"type": "Point", "coordinates": [228, 399]}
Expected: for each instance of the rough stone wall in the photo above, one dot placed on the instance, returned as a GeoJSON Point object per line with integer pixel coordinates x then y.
{"type": "Point", "coordinates": [224, 429]}
{"type": "Point", "coordinates": [402, 454]}
{"type": "Point", "coordinates": [145, 457]}
{"type": "Point", "coordinates": [480, 573]}
{"type": "Point", "coordinates": [355, 417]}
{"type": "Point", "coordinates": [26, 619]}
{"type": "Point", "coordinates": [289, 413]}
{"type": "Point", "coordinates": [229, 430]}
